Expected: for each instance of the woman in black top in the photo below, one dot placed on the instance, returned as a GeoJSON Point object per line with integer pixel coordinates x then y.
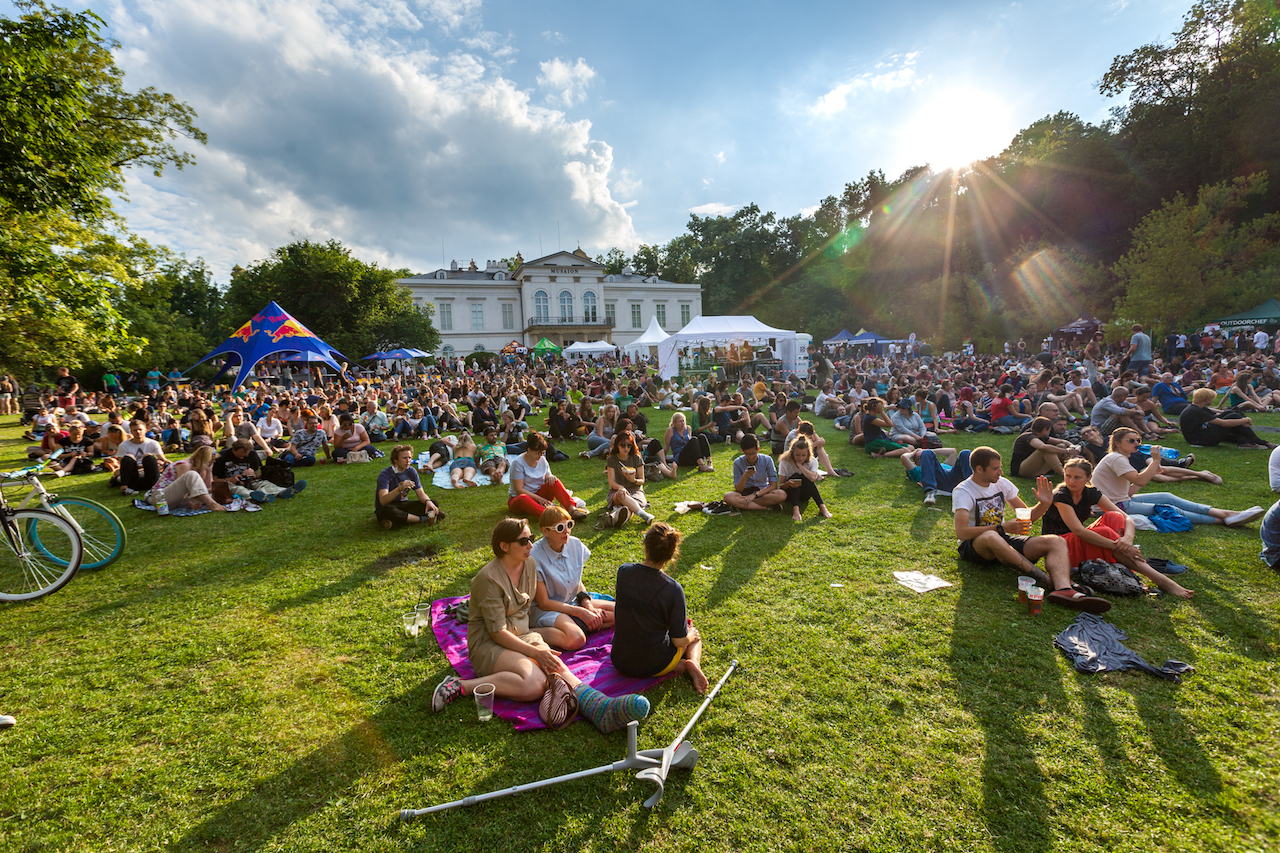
{"type": "Point", "coordinates": [652, 634]}
{"type": "Point", "coordinates": [1207, 427]}
{"type": "Point", "coordinates": [1109, 538]}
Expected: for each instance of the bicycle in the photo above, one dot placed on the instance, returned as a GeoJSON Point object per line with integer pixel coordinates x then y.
{"type": "Point", "coordinates": [102, 534]}
{"type": "Point", "coordinates": [41, 552]}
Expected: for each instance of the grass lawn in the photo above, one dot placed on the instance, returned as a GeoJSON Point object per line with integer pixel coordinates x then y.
{"type": "Point", "coordinates": [239, 682]}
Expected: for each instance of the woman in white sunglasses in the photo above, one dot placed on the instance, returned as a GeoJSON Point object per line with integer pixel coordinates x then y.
{"type": "Point", "coordinates": [563, 611]}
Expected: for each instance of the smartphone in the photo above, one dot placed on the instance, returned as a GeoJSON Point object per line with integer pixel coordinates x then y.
{"type": "Point", "coordinates": [751, 467]}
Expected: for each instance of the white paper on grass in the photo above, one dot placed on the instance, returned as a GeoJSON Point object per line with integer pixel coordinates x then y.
{"type": "Point", "coordinates": [919, 582]}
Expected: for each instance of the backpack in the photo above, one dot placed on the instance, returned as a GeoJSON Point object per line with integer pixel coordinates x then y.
{"type": "Point", "coordinates": [278, 472]}
{"type": "Point", "coordinates": [1169, 520]}
{"type": "Point", "coordinates": [1110, 578]}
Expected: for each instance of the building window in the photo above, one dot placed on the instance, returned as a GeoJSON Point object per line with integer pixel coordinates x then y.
{"type": "Point", "coordinates": [635, 316]}
{"type": "Point", "coordinates": [684, 316]}
{"type": "Point", "coordinates": [479, 348]}
{"type": "Point", "coordinates": [541, 307]}
{"type": "Point", "coordinates": [660, 311]}
{"type": "Point", "coordinates": [500, 277]}
{"type": "Point", "coordinates": [508, 316]}
{"type": "Point", "coordinates": [610, 313]}
{"type": "Point", "coordinates": [566, 306]}
{"type": "Point", "coordinates": [440, 274]}
{"type": "Point", "coordinates": [477, 317]}
{"type": "Point", "coordinates": [446, 317]}
{"type": "Point", "coordinates": [589, 307]}
{"type": "Point", "coordinates": [447, 351]}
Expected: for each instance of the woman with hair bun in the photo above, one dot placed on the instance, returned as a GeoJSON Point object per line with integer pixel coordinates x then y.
{"type": "Point", "coordinates": [652, 634]}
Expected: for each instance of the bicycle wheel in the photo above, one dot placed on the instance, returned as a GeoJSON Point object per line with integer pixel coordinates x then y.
{"type": "Point", "coordinates": [101, 531]}
{"type": "Point", "coordinates": [29, 569]}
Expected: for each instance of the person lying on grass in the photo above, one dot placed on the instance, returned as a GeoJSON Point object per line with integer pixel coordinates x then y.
{"type": "Point", "coordinates": [982, 498]}
{"type": "Point", "coordinates": [1109, 538]}
{"type": "Point", "coordinates": [505, 653]}
{"type": "Point", "coordinates": [563, 611]}
{"type": "Point", "coordinates": [391, 502]}
{"type": "Point", "coordinates": [653, 635]}
{"type": "Point", "coordinates": [755, 479]}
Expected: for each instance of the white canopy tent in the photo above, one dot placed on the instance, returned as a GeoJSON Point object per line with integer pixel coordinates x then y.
{"type": "Point", "coordinates": [724, 330]}
{"type": "Point", "coordinates": [584, 348]}
{"type": "Point", "coordinates": [651, 338]}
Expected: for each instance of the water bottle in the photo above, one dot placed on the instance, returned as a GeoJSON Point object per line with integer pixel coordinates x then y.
{"type": "Point", "coordinates": [162, 505]}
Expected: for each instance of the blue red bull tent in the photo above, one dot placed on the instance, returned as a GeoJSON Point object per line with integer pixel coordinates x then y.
{"type": "Point", "coordinates": [272, 330]}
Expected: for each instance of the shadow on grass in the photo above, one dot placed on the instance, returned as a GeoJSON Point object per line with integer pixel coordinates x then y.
{"type": "Point", "coordinates": [359, 577]}
{"type": "Point", "coordinates": [999, 684]}
{"type": "Point", "coordinates": [746, 551]}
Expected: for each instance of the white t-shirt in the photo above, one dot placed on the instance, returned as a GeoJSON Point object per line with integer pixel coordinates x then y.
{"type": "Point", "coordinates": [786, 468]}
{"type": "Point", "coordinates": [147, 447]}
{"type": "Point", "coordinates": [534, 477]}
{"type": "Point", "coordinates": [1261, 339]}
{"type": "Point", "coordinates": [820, 402]}
{"type": "Point", "coordinates": [986, 504]}
{"type": "Point", "coordinates": [1109, 476]}
{"type": "Point", "coordinates": [1273, 470]}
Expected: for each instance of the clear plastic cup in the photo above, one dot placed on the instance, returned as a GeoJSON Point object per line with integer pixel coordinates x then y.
{"type": "Point", "coordinates": [1035, 600]}
{"type": "Point", "coordinates": [484, 702]}
{"type": "Point", "coordinates": [411, 624]}
{"type": "Point", "coordinates": [424, 615]}
{"type": "Point", "coordinates": [1023, 514]}
{"type": "Point", "coordinates": [1024, 583]}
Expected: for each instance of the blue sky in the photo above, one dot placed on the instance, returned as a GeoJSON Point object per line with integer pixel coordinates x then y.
{"type": "Point", "coordinates": [396, 125]}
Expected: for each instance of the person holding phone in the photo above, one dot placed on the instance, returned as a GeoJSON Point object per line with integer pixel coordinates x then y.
{"type": "Point", "coordinates": [755, 479]}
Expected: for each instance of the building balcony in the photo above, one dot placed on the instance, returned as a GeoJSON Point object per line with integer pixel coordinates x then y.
{"type": "Point", "coordinates": [567, 322]}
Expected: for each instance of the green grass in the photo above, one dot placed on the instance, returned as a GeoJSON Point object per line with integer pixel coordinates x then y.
{"type": "Point", "coordinates": [240, 682]}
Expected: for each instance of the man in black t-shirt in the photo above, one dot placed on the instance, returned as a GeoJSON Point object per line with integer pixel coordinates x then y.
{"type": "Point", "coordinates": [67, 386]}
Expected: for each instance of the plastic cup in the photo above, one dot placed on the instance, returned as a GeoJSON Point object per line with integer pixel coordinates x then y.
{"type": "Point", "coordinates": [411, 625]}
{"type": "Point", "coordinates": [424, 615]}
{"type": "Point", "coordinates": [1023, 514]}
{"type": "Point", "coordinates": [1024, 583]}
{"type": "Point", "coordinates": [1035, 600]}
{"type": "Point", "coordinates": [484, 702]}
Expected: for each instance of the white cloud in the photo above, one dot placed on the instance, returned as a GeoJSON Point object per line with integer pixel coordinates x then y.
{"type": "Point", "coordinates": [901, 73]}
{"type": "Point", "coordinates": [554, 37]}
{"type": "Point", "coordinates": [627, 184]}
{"type": "Point", "coordinates": [809, 211]}
{"type": "Point", "coordinates": [714, 208]}
{"type": "Point", "coordinates": [706, 182]}
{"type": "Point", "coordinates": [322, 127]}
{"type": "Point", "coordinates": [566, 84]}
{"type": "Point", "coordinates": [720, 157]}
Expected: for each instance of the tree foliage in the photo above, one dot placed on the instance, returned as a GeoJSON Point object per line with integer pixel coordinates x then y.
{"type": "Point", "coordinates": [354, 306]}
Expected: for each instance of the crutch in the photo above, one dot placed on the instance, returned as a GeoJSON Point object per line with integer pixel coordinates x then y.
{"type": "Point", "coordinates": [653, 764]}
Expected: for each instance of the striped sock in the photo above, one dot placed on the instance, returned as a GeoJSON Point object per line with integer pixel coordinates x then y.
{"type": "Point", "coordinates": [610, 714]}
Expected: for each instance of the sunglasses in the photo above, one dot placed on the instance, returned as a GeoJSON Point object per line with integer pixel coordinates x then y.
{"type": "Point", "coordinates": [562, 526]}
{"type": "Point", "coordinates": [526, 540]}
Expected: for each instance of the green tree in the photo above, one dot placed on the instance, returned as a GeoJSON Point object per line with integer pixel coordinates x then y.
{"type": "Point", "coordinates": [614, 260]}
{"type": "Point", "coordinates": [354, 306]}
{"type": "Point", "coordinates": [1192, 262]}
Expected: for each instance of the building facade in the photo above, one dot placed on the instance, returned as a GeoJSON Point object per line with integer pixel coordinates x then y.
{"type": "Point", "coordinates": [565, 297]}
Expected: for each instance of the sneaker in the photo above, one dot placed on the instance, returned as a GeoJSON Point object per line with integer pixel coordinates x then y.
{"type": "Point", "coordinates": [930, 497]}
{"type": "Point", "coordinates": [299, 486]}
{"type": "Point", "coordinates": [286, 494]}
{"type": "Point", "coordinates": [128, 492]}
{"type": "Point", "coordinates": [1243, 517]}
{"type": "Point", "coordinates": [6, 721]}
{"type": "Point", "coordinates": [446, 692]}
{"type": "Point", "coordinates": [1187, 461]}
{"type": "Point", "coordinates": [259, 496]}
{"type": "Point", "coordinates": [646, 517]}
{"type": "Point", "coordinates": [1074, 599]}
{"type": "Point", "coordinates": [622, 516]}
{"type": "Point", "coordinates": [386, 523]}
{"type": "Point", "coordinates": [577, 513]}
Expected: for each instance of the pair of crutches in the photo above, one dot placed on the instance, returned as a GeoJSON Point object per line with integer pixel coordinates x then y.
{"type": "Point", "coordinates": [653, 764]}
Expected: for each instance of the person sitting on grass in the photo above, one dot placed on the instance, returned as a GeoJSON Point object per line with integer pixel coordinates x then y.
{"type": "Point", "coordinates": [533, 487]}
{"type": "Point", "coordinates": [653, 635]}
{"type": "Point", "coordinates": [505, 653]}
{"type": "Point", "coordinates": [985, 538]}
{"type": "Point", "coordinates": [784, 425]}
{"type": "Point", "coordinates": [140, 459]}
{"type": "Point", "coordinates": [874, 424]}
{"type": "Point", "coordinates": [77, 452]}
{"type": "Point", "coordinates": [564, 613]}
{"type": "Point", "coordinates": [391, 503]}
{"type": "Point", "coordinates": [492, 455]}
{"type": "Point", "coordinates": [305, 444]}
{"type": "Point", "coordinates": [798, 476]}
{"type": "Point", "coordinates": [1205, 426]}
{"type": "Point", "coordinates": [238, 465]}
{"type": "Point", "coordinates": [755, 479]}
{"type": "Point", "coordinates": [1036, 452]}
{"type": "Point", "coordinates": [349, 437]}
{"type": "Point", "coordinates": [680, 446]}
{"type": "Point", "coordinates": [188, 483]}
{"type": "Point", "coordinates": [625, 470]}
{"type": "Point", "coordinates": [1116, 478]}
{"type": "Point", "coordinates": [1109, 538]}
{"type": "Point", "coordinates": [462, 470]}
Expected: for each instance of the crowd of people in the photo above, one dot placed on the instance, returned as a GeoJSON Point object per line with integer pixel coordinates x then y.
{"type": "Point", "coordinates": [1092, 418]}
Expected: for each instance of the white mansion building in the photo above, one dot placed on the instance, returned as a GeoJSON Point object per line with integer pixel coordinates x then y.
{"type": "Point", "coordinates": [565, 297]}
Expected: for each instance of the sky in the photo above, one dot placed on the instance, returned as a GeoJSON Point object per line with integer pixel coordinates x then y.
{"type": "Point", "coordinates": [421, 131]}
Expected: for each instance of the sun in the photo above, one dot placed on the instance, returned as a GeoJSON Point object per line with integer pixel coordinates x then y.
{"type": "Point", "coordinates": [958, 127]}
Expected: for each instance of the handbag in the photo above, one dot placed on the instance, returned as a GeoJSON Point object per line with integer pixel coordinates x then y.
{"type": "Point", "coordinates": [559, 704]}
{"type": "Point", "coordinates": [358, 456]}
{"type": "Point", "coordinates": [278, 472]}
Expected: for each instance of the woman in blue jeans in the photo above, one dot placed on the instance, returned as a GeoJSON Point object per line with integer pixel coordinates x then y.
{"type": "Point", "coordinates": [1118, 480]}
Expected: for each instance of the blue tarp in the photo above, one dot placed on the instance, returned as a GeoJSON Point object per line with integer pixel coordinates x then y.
{"type": "Point", "coordinates": [272, 330]}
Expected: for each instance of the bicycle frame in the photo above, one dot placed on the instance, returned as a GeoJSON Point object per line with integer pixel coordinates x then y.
{"type": "Point", "coordinates": [39, 494]}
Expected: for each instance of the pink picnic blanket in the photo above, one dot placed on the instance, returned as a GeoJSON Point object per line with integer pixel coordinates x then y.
{"type": "Point", "coordinates": [590, 663]}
